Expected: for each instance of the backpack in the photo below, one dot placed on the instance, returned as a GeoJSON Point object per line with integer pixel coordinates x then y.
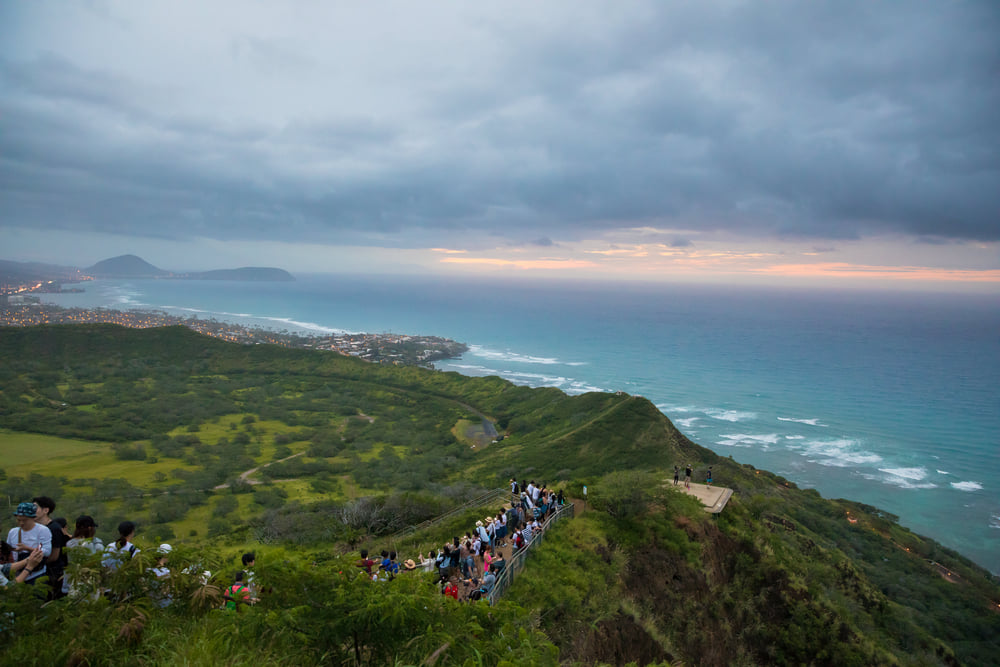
{"type": "Point", "coordinates": [231, 595]}
{"type": "Point", "coordinates": [113, 561]}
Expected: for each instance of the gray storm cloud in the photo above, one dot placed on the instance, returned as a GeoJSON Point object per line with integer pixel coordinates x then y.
{"type": "Point", "coordinates": [399, 125]}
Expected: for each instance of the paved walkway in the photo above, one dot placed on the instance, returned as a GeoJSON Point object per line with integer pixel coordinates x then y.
{"type": "Point", "coordinates": [714, 498]}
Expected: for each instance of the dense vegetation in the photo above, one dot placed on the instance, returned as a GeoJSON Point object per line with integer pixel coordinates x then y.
{"type": "Point", "coordinates": [303, 456]}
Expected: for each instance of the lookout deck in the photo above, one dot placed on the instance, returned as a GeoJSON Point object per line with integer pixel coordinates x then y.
{"type": "Point", "coordinates": [714, 498]}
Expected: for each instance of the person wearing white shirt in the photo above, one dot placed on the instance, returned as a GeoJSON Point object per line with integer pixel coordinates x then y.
{"type": "Point", "coordinates": [27, 536]}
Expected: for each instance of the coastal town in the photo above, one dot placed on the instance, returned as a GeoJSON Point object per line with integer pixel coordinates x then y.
{"type": "Point", "coordinates": [21, 309]}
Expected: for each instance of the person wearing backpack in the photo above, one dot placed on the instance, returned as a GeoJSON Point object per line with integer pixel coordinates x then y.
{"type": "Point", "coordinates": [122, 549]}
{"type": "Point", "coordinates": [238, 594]}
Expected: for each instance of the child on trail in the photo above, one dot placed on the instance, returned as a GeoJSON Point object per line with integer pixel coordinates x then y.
{"type": "Point", "coordinates": [238, 594]}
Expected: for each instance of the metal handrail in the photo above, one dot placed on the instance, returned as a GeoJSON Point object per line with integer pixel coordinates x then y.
{"type": "Point", "coordinates": [516, 562]}
{"type": "Point", "coordinates": [475, 502]}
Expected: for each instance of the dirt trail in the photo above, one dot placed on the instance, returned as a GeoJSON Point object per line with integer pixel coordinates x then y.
{"type": "Point", "coordinates": [244, 476]}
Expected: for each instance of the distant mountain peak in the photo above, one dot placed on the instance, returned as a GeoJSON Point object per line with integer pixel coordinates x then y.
{"type": "Point", "coordinates": [125, 266]}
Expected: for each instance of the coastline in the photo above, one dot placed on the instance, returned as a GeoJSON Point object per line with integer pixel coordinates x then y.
{"type": "Point", "coordinates": [376, 348]}
{"type": "Point", "coordinates": [860, 411]}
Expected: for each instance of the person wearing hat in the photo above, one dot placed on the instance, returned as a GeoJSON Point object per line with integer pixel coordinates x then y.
{"type": "Point", "coordinates": [409, 564]}
{"type": "Point", "coordinates": [27, 536]}
{"type": "Point", "coordinates": [160, 592]}
{"type": "Point", "coordinates": [83, 544]}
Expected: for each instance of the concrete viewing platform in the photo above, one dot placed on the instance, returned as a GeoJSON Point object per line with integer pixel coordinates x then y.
{"type": "Point", "coordinates": [714, 498]}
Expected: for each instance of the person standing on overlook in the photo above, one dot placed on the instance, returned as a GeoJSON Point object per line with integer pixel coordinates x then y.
{"type": "Point", "coordinates": [687, 476]}
{"type": "Point", "coordinates": [677, 474]}
{"type": "Point", "coordinates": [708, 477]}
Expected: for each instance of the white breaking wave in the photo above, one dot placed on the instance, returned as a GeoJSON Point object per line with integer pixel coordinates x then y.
{"type": "Point", "coordinates": [496, 355]}
{"type": "Point", "coordinates": [967, 486]}
{"type": "Point", "coordinates": [943, 472]}
{"type": "Point", "coordinates": [311, 326]}
{"type": "Point", "coordinates": [748, 440]}
{"type": "Point", "coordinates": [839, 453]}
{"type": "Point", "coordinates": [188, 309]}
{"type": "Point", "coordinates": [810, 422]}
{"type": "Point", "coordinates": [907, 473]}
{"type": "Point", "coordinates": [578, 386]}
{"type": "Point", "coordinates": [544, 380]}
{"type": "Point", "coordinates": [730, 415]}
{"type": "Point", "coordinates": [907, 478]}
{"type": "Point", "coordinates": [666, 408]}
{"type": "Point", "coordinates": [686, 422]}
{"type": "Point", "coordinates": [795, 437]}
{"type": "Point", "coordinates": [473, 367]}
{"type": "Point", "coordinates": [995, 521]}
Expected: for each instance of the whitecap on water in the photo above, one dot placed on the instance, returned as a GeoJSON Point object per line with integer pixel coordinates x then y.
{"type": "Point", "coordinates": [907, 478]}
{"type": "Point", "coordinates": [748, 440]}
{"type": "Point", "coordinates": [497, 355]}
{"type": "Point", "coordinates": [967, 486]}
{"type": "Point", "coordinates": [730, 415]}
{"type": "Point", "coordinates": [837, 453]}
{"type": "Point", "coordinates": [810, 422]}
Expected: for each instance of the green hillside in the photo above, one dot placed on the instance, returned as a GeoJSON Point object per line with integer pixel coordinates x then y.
{"type": "Point", "coordinates": [305, 456]}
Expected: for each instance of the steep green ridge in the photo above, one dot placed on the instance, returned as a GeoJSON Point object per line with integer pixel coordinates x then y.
{"type": "Point", "coordinates": [164, 422]}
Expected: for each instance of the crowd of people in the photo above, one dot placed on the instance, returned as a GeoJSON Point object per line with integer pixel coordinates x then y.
{"type": "Point", "coordinates": [467, 567]}
{"type": "Point", "coordinates": [40, 548]}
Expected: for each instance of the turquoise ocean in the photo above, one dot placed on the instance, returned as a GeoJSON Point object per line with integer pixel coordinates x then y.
{"type": "Point", "coordinates": [888, 398]}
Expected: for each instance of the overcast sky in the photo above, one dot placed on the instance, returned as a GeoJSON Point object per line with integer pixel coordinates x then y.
{"type": "Point", "coordinates": [781, 141]}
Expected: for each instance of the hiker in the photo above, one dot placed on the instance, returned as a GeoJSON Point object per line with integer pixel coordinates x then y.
{"type": "Point", "coordinates": [708, 478]}
{"type": "Point", "coordinates": [500, 525]}
{"type": "Point", "coordinates": [12, 572]}
{"type": "Point", "coordinates": [81, 545]}
{"type": "Point", "coordinates": [27, 536]}
{"type": "Point", "coordinates": [114, 553]}
{"type": "Point", "coordinates": [248, 560]}
{"type": "Point", "coordinates": [56, 562]}
{"type": "Point", "coordinates": [677, 475]}
{"type": "Point", "coordinates": [518, 540]}
{"type": "Point", "coordinates": [427, 564]}
{"type": "Point", "coordinates": [499, 563]}
{"type": "Point", "coordinates": [442, 560]}
{"type": "Point", "coordinates": [511, 519]}
{"type": "Point", "coordinates": [160, 588]}
{"type": "Point", "coordinates": [687, 476]}
{"type": "Point", "coordinates": [238, 594]}
{"type": "Point", "coordinates": [466, 559]}
{"type": "Point", "coordinates": [365, 563]}
{"type": "Point", "coordinates": [450, 589]}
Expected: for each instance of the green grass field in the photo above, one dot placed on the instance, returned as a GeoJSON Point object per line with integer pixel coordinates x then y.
{"type": "Point", "coordinates": [26, 453]}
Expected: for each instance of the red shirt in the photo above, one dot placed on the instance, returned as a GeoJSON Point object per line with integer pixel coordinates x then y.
{"type": "Point", "coordinates": [451, 590]}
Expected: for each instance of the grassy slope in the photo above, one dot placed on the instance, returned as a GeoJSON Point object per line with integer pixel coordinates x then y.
{"type": "Point", "coordinates": [781, 577]}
